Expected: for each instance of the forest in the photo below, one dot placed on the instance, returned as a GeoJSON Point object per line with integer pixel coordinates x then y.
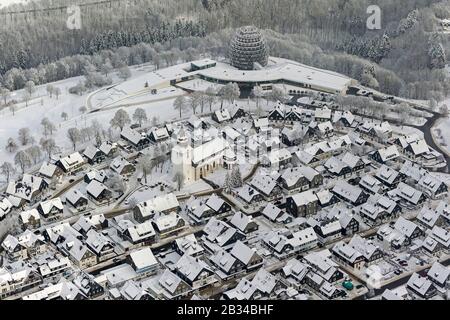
{"type": "Point", "coordinates": [406, 57]}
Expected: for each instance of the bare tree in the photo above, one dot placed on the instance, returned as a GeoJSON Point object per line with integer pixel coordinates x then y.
{"type": "Point", "coordinates": [11, 145]}
{"type": "Point", "coordinates": [5, 94]}
{"type": "Point", "coordinates": [24, 136]}
{"type": "Point", "coordinates": [211, 97]}
{"type": "Point", "coordinates": [257, 93]}
{"type": "Point", "coordinates": [124, 73]}
{"type": "Point", "coordinates": [35, 153]}
{"type": "Point", "coordinates": [7, 169]}
{"type": "Point", "coordinates": [140, 116]}
{"type": "Point", "coordinates": [48, 126]}
{"type": "Point", "coordinates": [82, 109]}
{"type": "Point", "coordinates": [22, 159]}
{"type": "Point", "coordinates": [13, 109]}
{"type": "Point", "coordinates": [74, 136]}
{"type": "Point", "coordinates": [179, 104]}
{"type": "Point", "coordinates": [120, 120]}
{"type": "Point", "coordinates": [146, 164]}
{"type": "Point", "coordinates": [49, 146]}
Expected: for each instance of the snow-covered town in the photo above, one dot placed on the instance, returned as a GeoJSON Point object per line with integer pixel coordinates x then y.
{"type": "Point", "coordinates": [247, 177]}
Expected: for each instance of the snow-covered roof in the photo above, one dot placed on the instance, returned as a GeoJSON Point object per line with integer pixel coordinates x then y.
{"type": "Point", "coordinates": [90, 152]}
{"type": "Point", "coordinates": [143, 258]}
{"type": "Point", "coordinates": [419, 284]}
{"type": "Point", "coordinates": [119, 164]}
{"type": "Point", "coordinates": [264, 184]}
{"type": "Point", "coordinates": [389, 153]}
{"type": "Point", "coordinates": [242, 252]}
{"type": "Point", "coordinates": [26, 215]}
{"type": "Point", "coordinates": [408, 193]}
{"type": "Point", "coordinates": [141, 231]}
{"type": "Point", "coordinates": [209, 149]}
{"type": "Point", "coordinates": [47, 170]}
{"type": "Point", "coordinates": [5, 207]}
{"type": "Point", "coordinates": [25, 188]}
{"type": "Point", "coordinates": [346, 190]}
{"type": "Point", "coordinates": [439, 273]}
{"type": "Point", "coordinates": [47, 206]}
{"type": "Point", "coordinates": [71, 161]}
{"type": "Point", "coordinates": [73, 196]}
{"type": "Point", "coordinates": [282, 70]}
{"type": "Point", "coordinates": [161, 203]}
{"type": "Point", "coordinates": [95, 188]}
{"type": "Point", "coordinates": [304, 198]}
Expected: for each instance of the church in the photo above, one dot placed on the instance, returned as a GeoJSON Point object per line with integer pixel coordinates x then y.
{"type": "Point", "coordinates": [194, 163]}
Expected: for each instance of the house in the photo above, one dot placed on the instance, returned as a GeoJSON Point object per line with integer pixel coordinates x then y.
{"type": "Point", "coordinates": [221, 116]}
{"type": "Point", "coordinates": [195, 122]}
{"type": "Point", "coordinates": [293, 180]}
{"type": "Point", "coordinates": [409, 196]}
{"type": "Point", "coordinates": [371, 185]}
{"type": "Point", "coordinates": [355, 163]}
{"type": "Point", "coordinates": [98, 191]}
{"type": "Point", "coordinates": [295, 273]}
{"type": "Point", "coordinates": [50, 171]}
{"type": "Point", "coordinates": [168, 224]}
{"type": "Point", "coordinates": [217, 204]}
{"type": "Point", "coordinates": [78, 253]}
{"type": "Point", "coordinates": [51, 208]}
{"type": "Point", "coordinates": [73, 163]}
{"type": "Point", "coordinates": [442, 236]}
{"type": "Point", "coordinates": [295, 136]}
{"type": "Point", "coordinates": [261, 125]}
{"type": "Point", "coordinates": [380, 132]}
{"type": "Point", "coordinates": [218, 233]}
{"type": "Point", "coordinates": [267, 186]}
{"type": "Point", "coordinates": [109, 149]}
{"type": "Point", "coordinates": [60, 291]}
{"type": "Point", "coordinates": [195, 272]}
{"type": "Point", "coordinates": [175, 287]}
{"type": "Point", "coordinates": [243, 222]}
{"type": "Point", "coordinates": [408, 228]}
{"type": "Point", "coordinates": [122, 167]}
{"type": "Point", "coordinates": [275, 214]}
{"type": "Point", "coordinates": [98, 243]}
{"type": "Point", "coordinates": [278, 158]}
{"type": "Point", "coordinates": [305, 158]}
{"type": "Point", "coordinates": [100, 176]}
{"type": "Point", "coordinates": [384, 155]}
{"type": "Point", "coordinates": [144, 262]}
{"type": "Point", "coordinates": [94, 155]}
{"type": "Point", "coordinates": [327, 231]}
{"type": "Point", "coordinates": [343, 118]}
{"type": "Point", "coordinates": [278, 113]}
{"type": "Point", "coordinates": [139, 234]}
{"type": "Point", "coordinates": [248, 194]}
{"type": "Point", "coordinates": [249, 257]}
{"type": "Point", "coordinates": [157, 135]}
{"type": "Point", "coordinates": [54, 266]}
{"type": "Point", "coordinates": [348, 222]}
{"type": "Point", "coordinates": [87, 284]}
{"type": "Point", "coordinates": [14, 249]}
{"type": "Point", "coordinates": [76, 199]}
{"type": "Point", "coordinates": [227, 266]}
{"type": "Point", "coordinates": [188, 245]}
{"type": "Point", "coordinates": [161, 204]}
{"type": "Point", "coordinates": [263, 286]}
{"type": "Point", "coordinates": [95, 222]}
{"type": "Point", "coordinates": [30, 219]}
{"type": "Point", "coordinates": [352, 194]}
{"type": "Point", "coordinates": [323, 267]}
{"type": "Point", "coordinates": [28, 189]}
{"type": "Point", "coordinates": [440, 276]}
{"type": "Point", "coordinates": [133, 291]}
{"type": "Point", "coordinates": [433, 187]}
{"type": "Point", "coordinates": [5, 208]}
{"type": "Point", "coordinates": [337, 167]}
{"type": "Point", "coordinates": [197, 210]}
{"type": "Point", "coordinates": [283, 243]}
{"type": "Point", "coordinates": [371, 253]}
{"type": "Point", "coordinates": [389, 177]}
{"type": "Point", "coordinates": [302, 204]}
{"type": "Point", "coordinates": [137, 140]}
{"type": "Point", "coordinates": [322, 114]}
{"type": "Point", "coordinates": [17, 277]}
{"type": "Point", "coordinates": [379, 209]}
{"type": "Point", "coordinates": [420, 287]}
{"type": "Point", "coordinates": [347, 255]}
{"type": "Point", "coordinates": [326, 198]}
{"type": "Point", "coordinates": [429, 218]}
{"type": "Point", "coordinates": [236, 112]}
